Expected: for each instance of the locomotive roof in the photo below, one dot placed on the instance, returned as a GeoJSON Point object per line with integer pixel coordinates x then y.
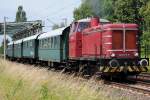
{"type": "Point", "coordinates": [52, 33]}
{"type": "Point", "coordinates": [31, 37]}
{"type": "Point", "coordinates": [89, 19]}
{"type": "Point", "coordinates": [18, 41]}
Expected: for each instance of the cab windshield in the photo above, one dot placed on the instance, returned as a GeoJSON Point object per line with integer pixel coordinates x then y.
{"type": "Point", "coordinates": [82, 26]}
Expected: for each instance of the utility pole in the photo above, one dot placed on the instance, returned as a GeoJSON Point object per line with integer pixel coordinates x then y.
{"type": "Point", "coordinates": [4, 38]}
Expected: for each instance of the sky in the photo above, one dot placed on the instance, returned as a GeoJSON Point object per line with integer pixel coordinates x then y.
{"type": "Point", "coordinates": [50, 11]}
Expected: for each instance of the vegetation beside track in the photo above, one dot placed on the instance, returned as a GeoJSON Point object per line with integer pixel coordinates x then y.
{"type": "Point", "coordinates": [25, 82]}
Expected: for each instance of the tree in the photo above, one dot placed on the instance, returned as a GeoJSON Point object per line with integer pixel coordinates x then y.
{"type": "Point", "coordinates": [145, 11]}
{"type": "Point", "coordinates": [127, 11]}
{"type": "Point", "coordinates": [100, 8]}
{"type": "Point", "coordinates": [84, 11]}
{"type": "Point", "coordinates": [21, 15]}
{"type": "Point", "coordinates": [2, 46]}
{"type": "Point", "coordinates": [109, 9]}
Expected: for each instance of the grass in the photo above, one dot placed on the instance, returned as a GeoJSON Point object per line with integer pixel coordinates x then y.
{"type": "Point", "coordinates": [23, 82]}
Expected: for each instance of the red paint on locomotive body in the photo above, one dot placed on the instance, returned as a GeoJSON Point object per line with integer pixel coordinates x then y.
{"type": "Point", "coordinates": [95, 39]}
{"type": "Point", "coordinates": [120, 41]}
{"type": "Point", "coordinates": [92, 44]}
{"type": "Point", "coordinates": [75, 38]}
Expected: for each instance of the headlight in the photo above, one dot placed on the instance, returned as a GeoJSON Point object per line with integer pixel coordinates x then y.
{"type": "Point", "coordinates": [113, 55]}
{"type": "Point", "coordinates": [136, 54]}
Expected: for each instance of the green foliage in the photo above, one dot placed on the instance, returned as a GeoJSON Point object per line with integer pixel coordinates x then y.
{"type": "Point", "coordinates": [145, 12]}
{"type": "Point", "coordinates": [21, 15]}
{"type": "Point", "coordinates": [127, 11]}
{"type": "Point", "coordinates": [2, 47]}
{"type": "Point", "coordinates": [1, 50]}
{"type": "Point", "coordinates": [100, 8]}
{"type": "Point", "coordinates": [18, 85]}
{"type": "Point", "coordinates": [109, 7]}
{"type": "Point", "coordinates": [146, 39]}
{"type": "Point", "coordinates": [83, 11]}
{"type": "Point", "coordinates": [44, 92]}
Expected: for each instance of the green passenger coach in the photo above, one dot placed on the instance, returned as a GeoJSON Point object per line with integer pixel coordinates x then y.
{"type": "Point", "coordinates": [30, 47]}
{"type": "Point", "coordinates": [18, 48]}
{"type": "Point", "coordinates": [53, 45]}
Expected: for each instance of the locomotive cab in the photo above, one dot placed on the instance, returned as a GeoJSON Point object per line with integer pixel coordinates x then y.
{"type": "Point", "coordinates": [75, 38]}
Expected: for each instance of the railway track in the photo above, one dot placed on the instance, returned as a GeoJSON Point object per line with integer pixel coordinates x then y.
{"type": "Point", "coordinates": [131, 87]}
{"type": "Point", "coordinates": [145, 77]}
{"type": "Point", "coordinates": [140, 84]}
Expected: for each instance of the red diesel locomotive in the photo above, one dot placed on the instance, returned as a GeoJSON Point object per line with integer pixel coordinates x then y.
{"type": "Point", "coordinates": [112, 48]}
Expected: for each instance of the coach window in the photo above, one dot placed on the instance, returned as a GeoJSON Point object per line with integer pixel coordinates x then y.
{"type": "Point", "coordinates": [47, 42]}
{"type": "Point", "coordinates": [57, 42]}
{"type": "Point", "coordinates": [27, 44]}
{"type": "Point", "coordinates": [54, 42]}
{"type": "Point", "coordinates": [40, 44]}
{"type": "Point", "coordinates": [24, 44]}
{"type": "Point", "coordinates": [31, 43]}
{"type": "Point", "coordinates": [51, 42]}
{"type": "Point", "coordinates": [43, 43]}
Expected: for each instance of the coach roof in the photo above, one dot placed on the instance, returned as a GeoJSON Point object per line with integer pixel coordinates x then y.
{"type": "Point", "coordinates": [52, 33]}
{"type": "Point", "coordinates": [31, 37]}
{"type": "Point", "coordinates": [89, 19]}
{"type": "Point", "coordinates": [10, 43]}
{"type": "Point", "coordinates": [18, 41]}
